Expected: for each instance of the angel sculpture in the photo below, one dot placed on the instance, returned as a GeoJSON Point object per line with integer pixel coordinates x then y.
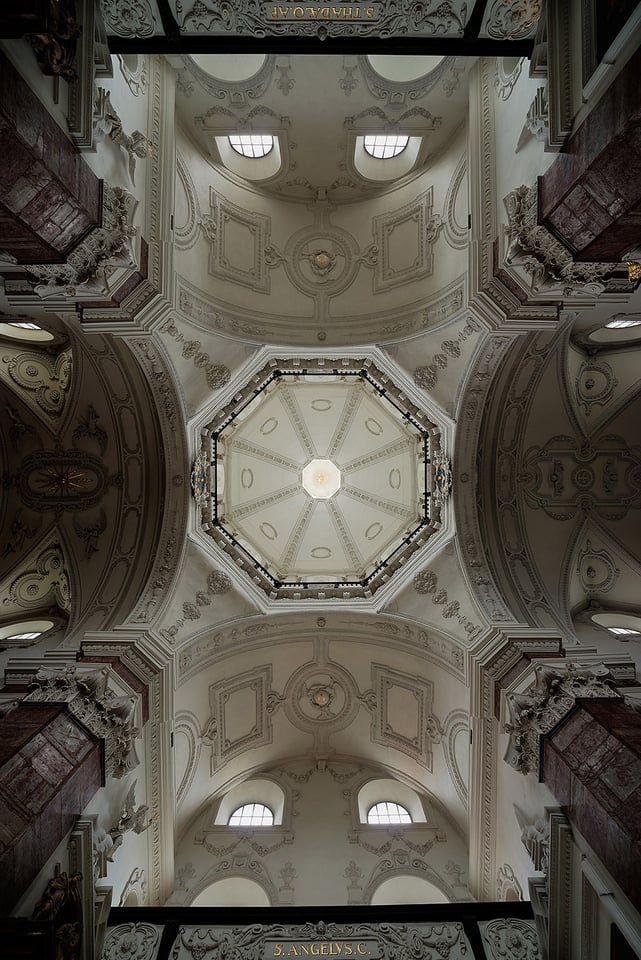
{"type": "Point", "coordinates": [131, 818]}
{"type": "Point", "coordinates": [108, 123]}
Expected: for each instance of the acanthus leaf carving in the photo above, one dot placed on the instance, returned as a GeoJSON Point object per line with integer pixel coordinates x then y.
{"type": "Point", "coordinates": [542, 256]}
{"type": "Point", "coordinates": [549, 699]}
{"type": "Point", "coordinates": [94, 704]}
{"type": "Point", "coordinates": [90, 264]}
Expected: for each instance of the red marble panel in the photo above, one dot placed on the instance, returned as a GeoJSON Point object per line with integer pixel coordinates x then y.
{"type": "Point", "coordinates": [56, 769]}
{"type": "Point", "coordinates": [49, 197]}
{"type": "Point", "coordinates": [596, 179]}
{"type": "Point", "coordinates": [596, 776]}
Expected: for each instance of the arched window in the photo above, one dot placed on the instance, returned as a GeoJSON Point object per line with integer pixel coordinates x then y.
{"type": "Point", "coordinates": [252, 815]}
{"type": "Point", "coordinates": [24, 330]}
{"type": "Point", "coordinates": [25, 633]}
{"type": "Point", "coordinates": [623, 633]}
{"type": "Point", "coordinates": [384, 146]}
{"type": "Point", "coordinates": [388, 812]}
{"type": "Point", "coordinates": [252, 145]}
{"type": "Point", "coordinates": [620, 322]}
{"type": "Point", "coordinates": [623, 626]}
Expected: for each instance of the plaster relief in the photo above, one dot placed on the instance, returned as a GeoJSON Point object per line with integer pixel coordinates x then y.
{"type": "Point", "coordinates": [238, 239]}
{"type": "Point", "coordinates": [404, 240]}
{"type": "Point", "coordinates": [241, 709]}
{"type": "Point", "coordinates": [403, 703]}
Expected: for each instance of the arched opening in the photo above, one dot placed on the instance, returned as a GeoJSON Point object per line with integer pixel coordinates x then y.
{"type": "Point", "coordinates": [408, 889]}
{"type": "Point", "coordinates": [232, 892]}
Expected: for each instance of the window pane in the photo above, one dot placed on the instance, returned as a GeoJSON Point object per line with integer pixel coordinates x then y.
{"type": "Point", "coordinates": [253, 145]}
{"type": "Point", "coordinates": [388, 812]}
{"type": "Point", "coordinates": [616, 324]}
{"type": "Point", "coordinates": [252, 815]}
{"type": "Point", "coordinates": [384, 146]}
{"type": "Point", "coordinates": [624, 632]}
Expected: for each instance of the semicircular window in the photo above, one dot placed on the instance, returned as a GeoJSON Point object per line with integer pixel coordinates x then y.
{"type": "Point", "coordinates": [388, 812]}
{"type": "Point", "coordinates": [384, 146]}
{"type": "Point", "coordinates": [252, 815]}
{"type": "Point", "coordinates": [253, 145]}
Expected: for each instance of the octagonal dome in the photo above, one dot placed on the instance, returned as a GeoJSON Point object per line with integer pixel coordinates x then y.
{"type": "Point", "coordinates": [321, 479]}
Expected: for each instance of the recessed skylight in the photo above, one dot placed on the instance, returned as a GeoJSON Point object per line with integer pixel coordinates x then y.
{"type": "Point", "coordinates": [253, 145]}
{"type": "Point", "coordinates": [385, 146]}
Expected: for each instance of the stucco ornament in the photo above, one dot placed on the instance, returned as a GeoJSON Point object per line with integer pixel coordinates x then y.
{"type": "Point", "coordinates": [550, 698]}
{"type": "Point", "coordinates": [91, 701]}
{"type": "Point", "coordinates": [513, 19]}
{"type": "Point", "coordinates": [512, 940]}
{"type": "Point", "coordinates": [247, 17]}
{"type": "Point", "coordinates": [132, 941]}
{"type": "Point", "coordinates": [421, 941]}
{"type": "Point", "coordinates": [442, 468]}
{"type": "Point", "coordinates": [128, 18]}
{"type": "Point", "coordinates": [548, 263]}
{"type": "Point", "coordinates": [90, 264]}
{"type": "Point", "coordinates": [200, 479]}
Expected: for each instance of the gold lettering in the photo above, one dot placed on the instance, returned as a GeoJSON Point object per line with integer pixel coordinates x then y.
{"type": "Point", "coordinates": [283, 11]}
{"type": "Point", "coordinates": [313, 952]}
{"type": "Point", "coordinates": [325, 13]}
{"type": "Point", "coordinates": [278, 949]}
{"type": "Point", "coordinates": [292, 952]}
{"type": "Point", "coordinates": [359, 949]}
{"type": "Point", "coordinates": [274, 14]}
{"type": "Point", "coordinates": [324, 949]}
{"type": "Point", "coordinates": [348, 949]}
{"type": "Point", "coordinates": [312, 11]}
{"type": "Point", "coordinates": [304, 949]}
{"type": "Point", "coordinates": [299, 12]}
{"type": "Point", "coordinates": [369, 13]}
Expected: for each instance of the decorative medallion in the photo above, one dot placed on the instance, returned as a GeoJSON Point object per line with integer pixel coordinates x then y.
{"type": "Point", "coordinates": [321, 695]}
{"type": "Point", "coordinates": [325, 260]}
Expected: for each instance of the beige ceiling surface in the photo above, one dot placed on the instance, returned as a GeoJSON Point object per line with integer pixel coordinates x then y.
{"type": "Point", "coordinates": [317, 105]}
{"type": "Point", "coordinates": [292, 534]}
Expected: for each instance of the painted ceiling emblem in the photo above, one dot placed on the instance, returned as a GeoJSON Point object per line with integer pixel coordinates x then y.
{"type": "Point", "coordinates": [61, 481]}
{"type": "Point", "coordinates": [442, 478]}
{"type": "Point", "coordinates": [322, 262]}
{"type": "Point", "coordinates": [199, 479]}
{"type": "Point", "coordinates": [321, 696]}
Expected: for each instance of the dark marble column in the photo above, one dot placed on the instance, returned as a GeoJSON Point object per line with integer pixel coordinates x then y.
{"type": "Point", "coordinates": [50, 768]}
{"type": "Point", "coordinates": [590, 198]}
{"type": "Point", "coordinates": [49, 198]}
{"type": "Point", "coordinates": [592, 764]}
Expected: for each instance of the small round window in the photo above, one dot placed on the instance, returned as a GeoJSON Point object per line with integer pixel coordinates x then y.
{"type": "Point", "coordinates": [254, 145]}
{"type": "Point", "coordinates": [384, 146]}
{"type": "Point", "coordinates": [252, 815]}
{"type": "Point", "coordinates": [388, 812]}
